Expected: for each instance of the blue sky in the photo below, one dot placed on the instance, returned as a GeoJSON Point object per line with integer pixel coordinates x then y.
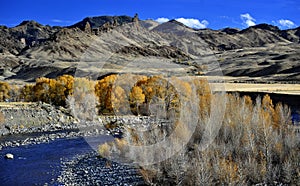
{"type": "Point", "coordinates": [213, 14]}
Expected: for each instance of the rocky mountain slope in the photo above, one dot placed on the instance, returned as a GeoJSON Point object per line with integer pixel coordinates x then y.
{"type": "Point", "coordinates": [96, 46]}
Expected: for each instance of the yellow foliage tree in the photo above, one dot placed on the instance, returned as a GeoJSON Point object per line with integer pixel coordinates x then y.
{"type": "Point", "coordinates": [205, 97]}
{"type": "Point", "coordinates": [4, 91]}
{"type": "Point", "coordinates": [27, 93]}
{"type": "Point", "coordinates": [136, 98]}
{"type": "Point", "coordinates": [54, 91]}
{"type": "Point", "coordinates": [63, 88]}
{"type": "Point", "coordinates": [118, 99]}
{"type": "Point", "coordinates": [103, 90]}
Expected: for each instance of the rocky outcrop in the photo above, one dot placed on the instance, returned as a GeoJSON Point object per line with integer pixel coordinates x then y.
{"type": "Point", "coordinates": [158, 51]}
{"type": "Point", "coordinates": [96, 22]}
{"type": "Point", "coordinates": [88, 28]}
{"type": "Point", "coordinates": [24, 36]}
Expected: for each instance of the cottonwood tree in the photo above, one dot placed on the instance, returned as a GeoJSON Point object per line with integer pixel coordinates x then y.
{"type": "Point", "coordinates": [136, 99]}
{"type": "Point", "coordinates": [53, 91]}
{"type": "Point", "coordinates": [103, 91]}
{"type": "Point", "coordinates": [4, 91]}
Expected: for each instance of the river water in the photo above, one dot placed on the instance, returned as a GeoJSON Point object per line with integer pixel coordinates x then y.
{"type": "Point", "coordinates": [39, 164]}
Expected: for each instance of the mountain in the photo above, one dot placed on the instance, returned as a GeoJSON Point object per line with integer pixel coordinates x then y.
{"type": "Point", "coordinates": [112, 43]}
{"type": "Point", "coordinates": [99, 21]}
{"type": "Point", "coordinates": [26, 34]}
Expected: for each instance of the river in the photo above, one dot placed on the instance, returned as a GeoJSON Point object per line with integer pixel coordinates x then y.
{"type": "Point", "coordinates": [40, 164]}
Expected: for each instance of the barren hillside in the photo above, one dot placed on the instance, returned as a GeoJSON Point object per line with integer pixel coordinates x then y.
{"type": "Point", "coordinates": [116, 44]}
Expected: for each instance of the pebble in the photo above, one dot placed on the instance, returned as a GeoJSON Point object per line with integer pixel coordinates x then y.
{"type": "Point", "coordinates": [9, 156]}
{"type": "Point", "coordinates": [91, 169]}
{"type": "Point", "coordinates": [45, 138]}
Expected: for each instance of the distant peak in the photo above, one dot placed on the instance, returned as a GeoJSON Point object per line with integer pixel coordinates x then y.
{"type": "Point", "coordinates": [178, 23]}
{"type": "Point", "coordinates": [29, 22]}
{"type": "Point", "coordinates": [98, 21]}
{"type": "Point", "coordinates": [230, 30]}
{"type": "Point", "coordinates": [265, 26]}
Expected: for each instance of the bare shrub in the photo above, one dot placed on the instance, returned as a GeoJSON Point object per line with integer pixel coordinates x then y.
{"type": "Point", "coordinates": [83, 102]}
{"type": "Point", "coordinates": [255, 144]}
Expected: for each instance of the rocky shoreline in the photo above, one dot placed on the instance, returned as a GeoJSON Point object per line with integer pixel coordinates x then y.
{"type": "Point", "coordinates": [36, 123]}
{"type": "Point", "coordinates": [38, 138]}
{"type": "Point", "coordinates": [90, 169]}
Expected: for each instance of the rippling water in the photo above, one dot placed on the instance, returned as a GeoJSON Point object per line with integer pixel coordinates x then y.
{"type": "Point", "coordinates": [39, 164]}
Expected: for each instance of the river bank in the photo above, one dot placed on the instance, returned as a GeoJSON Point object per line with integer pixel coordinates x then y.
{"type": "Point", "coordinates": [50, 147]}
{"type": "Point", "coordinates": [65, 161]}
{"type": "Point", "coordinates": [35, 123]}
{"type": "Point", "coordinates": [90, 169]}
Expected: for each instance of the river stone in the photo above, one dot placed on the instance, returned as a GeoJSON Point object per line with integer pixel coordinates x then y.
{"type": "Point", "coordinates": [9, 156]}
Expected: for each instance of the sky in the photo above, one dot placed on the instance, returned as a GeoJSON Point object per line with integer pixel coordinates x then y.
{"type": "Point", "coordinates": [214, 14]}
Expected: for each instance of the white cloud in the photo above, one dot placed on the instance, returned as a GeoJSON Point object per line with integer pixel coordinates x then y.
{"type": "Point", "coordinates": [162, 20]}
{"type": "Point", "coordinates": [57, 20]}
{"type": "Point", "coordinates": [248, 19]}
{"type": "Point", "coordinates": [60, 21]}
{"type": "Point", "coordinates": [286, 23]}
{"type": "Point", "coordinates": [193, 23]}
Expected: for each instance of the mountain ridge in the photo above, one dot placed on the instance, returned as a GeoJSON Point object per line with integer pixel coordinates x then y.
{"type": "Point", "coordinates": [37, 47]}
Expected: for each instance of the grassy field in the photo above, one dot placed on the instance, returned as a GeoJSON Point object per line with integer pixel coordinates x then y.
{"type": "Point", "coordinates": [290, 89]}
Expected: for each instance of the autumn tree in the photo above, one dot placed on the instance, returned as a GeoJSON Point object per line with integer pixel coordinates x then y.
{"type": "Point", "coordinates": [53, 91]}
{"type": "Point", "coordinates": [63, 88]}
{"type": "Point", "coordinates": [255, 144]}
{"type": "Point", "coordinates": [103, 91]}
{"type": "Point", "coordinates": [160, 96]}
{"type": "Point", "coordinates": [118, 98]}
{"type": "Point", "coordinates": [4, 91]}
{"type": "Point", "coordinates": [136, 98]}
{"type": "Point", "coordinates": [27, 93]}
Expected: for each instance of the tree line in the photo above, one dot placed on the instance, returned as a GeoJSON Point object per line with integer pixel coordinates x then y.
{"type": "Point", "coordinates": [111, 97]}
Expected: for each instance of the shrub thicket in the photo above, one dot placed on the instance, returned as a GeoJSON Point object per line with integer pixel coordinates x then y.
{"type": "Point", "coordinates": [255, 144]}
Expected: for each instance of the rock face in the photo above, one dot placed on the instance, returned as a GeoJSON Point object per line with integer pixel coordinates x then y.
{"type": "Point", "coordinates": [99, 21]}
{"type": "Point", "coordinates": [25, 35]}
{"type": "Point", "coordinates": [88, 28]}
{"type": "Point", "coordinates": [9, 156]}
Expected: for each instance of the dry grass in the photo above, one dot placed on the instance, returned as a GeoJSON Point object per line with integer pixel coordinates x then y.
{"type": "Point", "coordinates": [15, 104]}
{"type": "Point", "coordinates": [2, 118]}
{"type": "Point", "coordinates": [291, 89]}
